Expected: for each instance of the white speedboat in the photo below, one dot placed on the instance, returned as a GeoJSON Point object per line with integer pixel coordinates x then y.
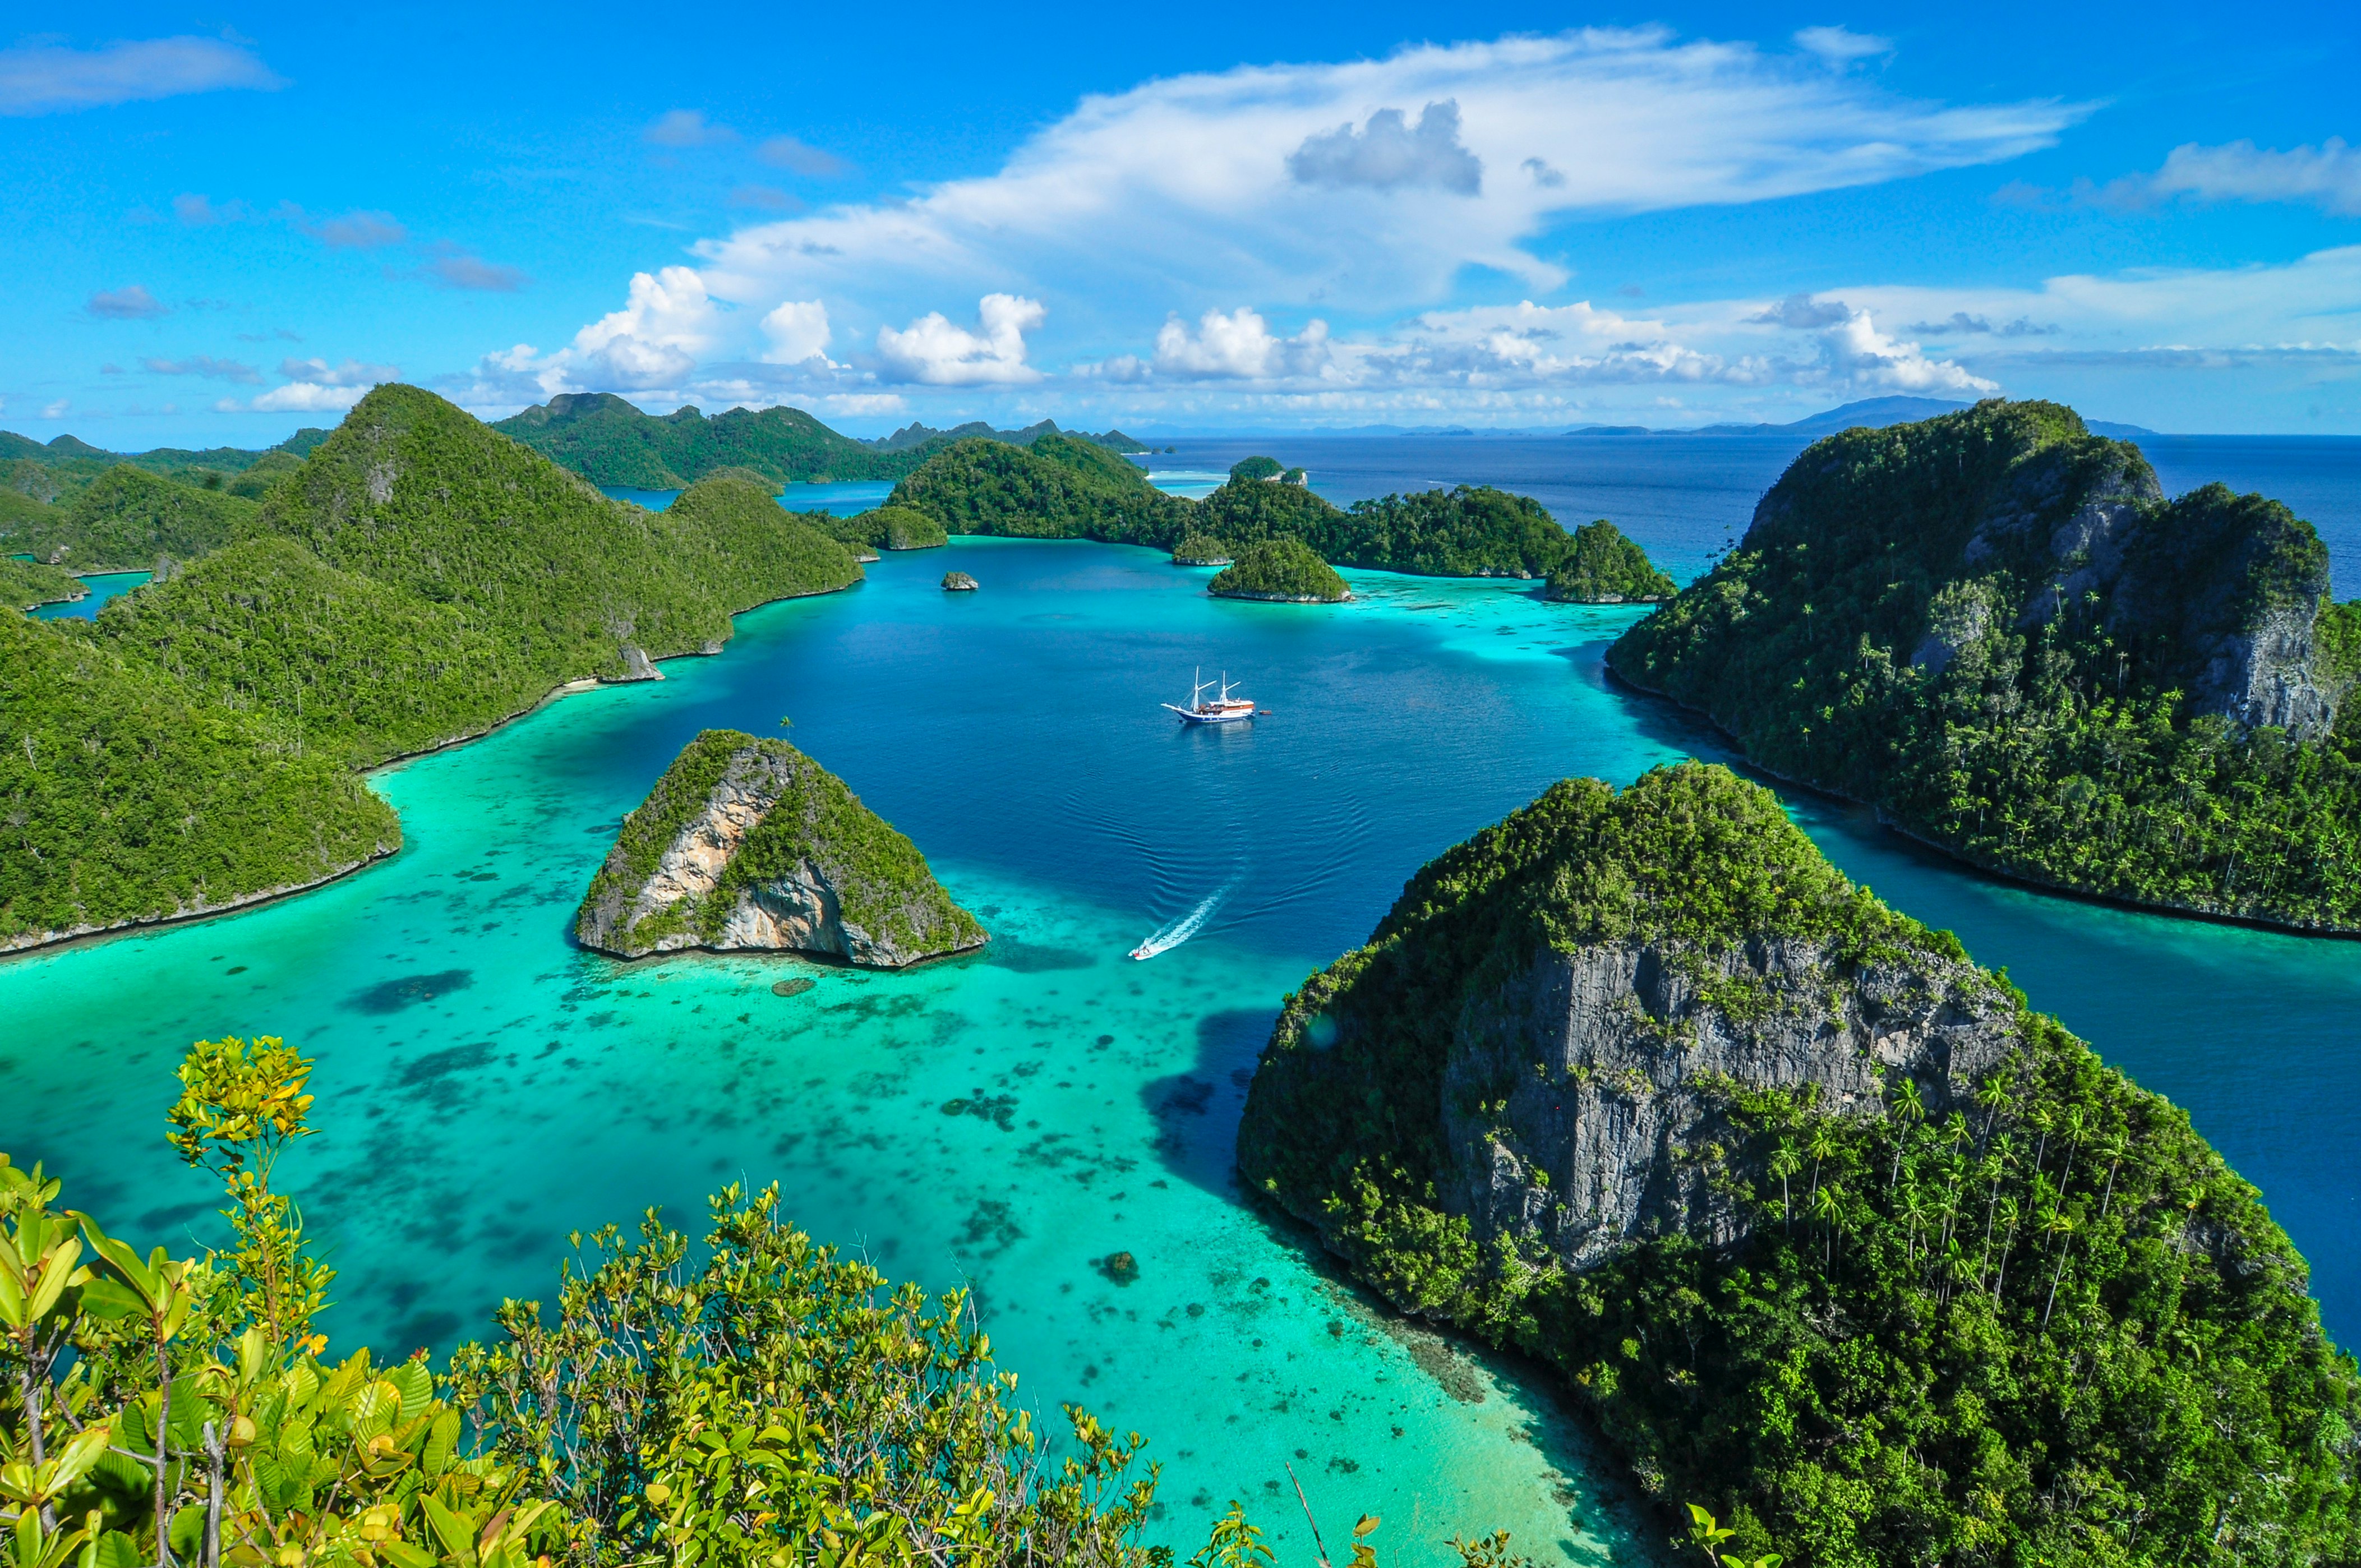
{"type": "Point", "coordinates": [1222, 710]}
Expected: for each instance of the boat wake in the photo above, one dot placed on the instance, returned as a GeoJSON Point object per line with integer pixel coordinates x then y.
{"type": "Point", "coordinates": [1179, 931]}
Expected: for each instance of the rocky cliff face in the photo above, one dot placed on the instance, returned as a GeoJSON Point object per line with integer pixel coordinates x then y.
{"type": "Point", "coordinates": [1543, 1040]}
{"type": "Point", "coordinates": [749, 845]}
{"type": "Point", "coordinates": [1581, 1098]}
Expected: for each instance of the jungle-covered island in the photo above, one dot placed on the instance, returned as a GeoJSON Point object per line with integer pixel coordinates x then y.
{"type": "Point", "coordinates": [1832, 1233]}
{"type": "Point", "coordinates": [1201, 550]}
{"type": "Point", "coordinates": [1994, 628]}
{"type": "Point", "coordinates": [1604, 567]}
{"type": "Point", "coordinates": [414, 580]}
{"type": "Point", "coordinates": [747, 844]}
{"type": "Point", "coordinates": [1282, 570]}
{"type": "Point", "coordinates": [25, 583]}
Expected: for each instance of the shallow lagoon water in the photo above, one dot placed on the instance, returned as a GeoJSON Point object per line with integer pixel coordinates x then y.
{"type": "Point", "coordinates": [1009, 1120]}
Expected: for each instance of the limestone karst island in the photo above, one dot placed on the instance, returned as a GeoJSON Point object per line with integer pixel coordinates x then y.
{"type": "Point", "coordinates": [618, 949]}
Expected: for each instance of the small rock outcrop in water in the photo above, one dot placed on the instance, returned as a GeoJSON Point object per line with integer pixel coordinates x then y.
{"type": "Point", "coordinates": [959, 583]}
{"type": "Point", "coordinates": [749, 844]}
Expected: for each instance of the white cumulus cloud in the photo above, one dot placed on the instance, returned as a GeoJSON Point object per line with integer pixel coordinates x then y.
{"type": "Point", "coordinates": [1240, 346]}
{"type": "Point", "coordinates": [653, 340]}
{"type": "Point", "coordinates": [797, 331]}
{"type": "Point", "coordinates": [936, 352]}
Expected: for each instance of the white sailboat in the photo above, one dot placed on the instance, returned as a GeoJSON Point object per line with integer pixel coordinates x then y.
{"type": "Point", "coordinates": [1224, 710]}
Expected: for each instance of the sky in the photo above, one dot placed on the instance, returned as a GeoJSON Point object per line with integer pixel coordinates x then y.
{"type": "Point", "coordinates": [226, 224]}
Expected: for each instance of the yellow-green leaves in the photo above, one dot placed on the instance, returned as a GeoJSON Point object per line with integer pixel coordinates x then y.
{"type": "Point", "coordinates": [234, 1095]}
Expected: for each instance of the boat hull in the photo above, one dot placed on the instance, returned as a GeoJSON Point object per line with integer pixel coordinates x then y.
{"type": "Point", "coordinates": [1187, 716]}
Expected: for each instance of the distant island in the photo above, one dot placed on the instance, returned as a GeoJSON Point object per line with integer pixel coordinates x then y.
{"type": "Point", "coordinates": [1873, 413]}
{"type": "Point", "coordinates": [747, 845]}
{"type": "Point", "coordinates": [1283, 570]}
{"type": "Point", "coordinates": [1828, 1231]}
{"type": "Point", "coordinates": [1993, 627]}
{"type": "Point", "coordinates": [915, 435]}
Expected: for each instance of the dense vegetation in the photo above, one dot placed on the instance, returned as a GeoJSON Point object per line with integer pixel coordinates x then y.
{"type": "Point", "coordinates": [1201, 550]}
{"type": "Point", "coordinates": [1280, 569]}
{"type": "Point", "coordinates": [1604, 567]}
{"type": "Point", "coordinates": [125, 796]}
{"type": "Point", "coordinates": [608, 442]}
{"type": "Point", "coordinates": [1895, 627]}
{"type": "Point", "coordinates": [878, 875]}
{"type": "Point", "coordinates": [887, 528]}
{"type": "Point", "coordinates": [24, 584]}
{"type": "Point", "coordinates": [2049, 1327]}
{"type": "Point", "coordinates": [125, 518]}
{"type": "Point", "coordinates": [1057, 488]}
{"type": "Point", "coordinates": [1061, 488]}
{"type": "Point", "coordinates": [915, 434]}
{"type": "Point", "coordinates": [417, 580]}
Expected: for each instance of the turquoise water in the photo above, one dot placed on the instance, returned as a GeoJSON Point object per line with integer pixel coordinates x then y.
{"type": "Point", "coordinates": [845, 500]}
{"type": "Point", "coordinates": [102, 586]}
{"type": "Point", "coordinates": [1011, 1119]}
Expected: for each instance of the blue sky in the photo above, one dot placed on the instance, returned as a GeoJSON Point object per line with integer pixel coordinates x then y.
{"type": "Point", "coordinates": [228, 224]}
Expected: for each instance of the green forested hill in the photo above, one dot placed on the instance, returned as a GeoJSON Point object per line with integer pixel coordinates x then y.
{"type": "Point", "coordinates": [418, 579]}
{"type": "Point", "coordinates": [1280, 569]}
{"type": "Point", "coordinates": [1995, 627]}
{"type": "Point", "coordinates": [125, 517]}
{"type": "Point", "coordinates": [1604, 567]}
{"type": "Point", "coordinates": [610, 441]}
{"type": "Point", "coordinates": [125, 796]}
{"type": "Point", "coordinates": [24, 584]}
{"type": "Point", "coordinates": [1828, 1231]}
{"type": "Point", "coordinates": [1057, 488]}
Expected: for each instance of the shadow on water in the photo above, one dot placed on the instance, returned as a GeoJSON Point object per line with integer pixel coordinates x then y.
{"type": "Point", "coordinates": [1197, 1111]}
{"type": "Point", "coordinates": [408, 991]}
{"type": "Point", "coordinates": [1588, 1479]}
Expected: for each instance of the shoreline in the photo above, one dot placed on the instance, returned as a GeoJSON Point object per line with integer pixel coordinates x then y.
{"type": "Point", "coordinates": [48, 940]}
{"type": "Point", "coordinates": [1889, 823]}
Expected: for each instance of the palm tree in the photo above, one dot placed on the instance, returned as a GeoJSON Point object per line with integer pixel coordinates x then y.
{"type": "Point", "coordinates": [2062, 1226]}
{"type": "Point", "coordinates": [2008, 1214]}
{"type": "Point", "coordinates": [1991, 1095]}
{"type": "Point", "coordinates": [2114, 1151]}
{"type": "Point", "coordinates": [1823, 1205]}
{"type": "Point", "coordinates": [2075, 1122]}
{"type": "Point", "coordinates": [1784, 1163]}
{"type": "Point", "coordinates": [1915, 1213]}
{"type": "Point", "coordinates": [1911, 1108]}
{"type": "Point", "coordinates": [1823, 1146]}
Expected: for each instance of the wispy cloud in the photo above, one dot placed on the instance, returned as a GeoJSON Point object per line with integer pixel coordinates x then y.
{"type": "Point", "coordinates": [2327, 177]}
{"type": "Point", "coordinates": [685, 128]}
{"type": "Point", "coordinates": [1317, 183]}
{"type": "Point", "coordinates": [198, 211]}
{"type": "Point", "coordinates": [801, 158]}
{"type": "Point", "coordinates": [454, 268]}
{"type": "Point", "coordinates": [1841, 46]}
{"type": "Point", "coordinates": [52, 78]}
{"type": "Point", "coordinates": [128, 304]}
{"type": "Point", "coordinates": [351, 373]}
{"type": "Point", "coordinates": [348, 231]}
{"type": "Point", "coordinates": [206, 366]}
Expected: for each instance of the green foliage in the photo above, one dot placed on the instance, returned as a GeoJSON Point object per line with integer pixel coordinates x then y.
{"type": "Point", "coordinates": [361, 669]}
{"type": "Point", "coordinates": [1604, 567]}
{"type": "Point", "coordinates": [1280, 569]}
{"type": "Point", "coordinates": [2052, 1328]}
{"type": "Point", "coordinates": [1469, 532]}
{"type": "Point", "coordinates": [778, 1398]}
{"type": "Point", "coordinates": [889, 528]}
{"type": "Point", "coordinates": [125, 796]}
{"type": "Point", "coordinates": [1256, 470]}
{"type": "Point", "coordinates": [608, 442]}
{"type": "Point", "coordinates": [1201, 550]}
{"type": "Point", "coordinates": [126, 518]}
{"type": "Point", "coordinates": [24, 584]}
{"type": "Point", "coordinates": [1057, 488]}
{"type": "Point", "coordinates": [1245, 511]}
{"type": "Point", "coordinates": [880, 879]}
{"type": "Point", "coordinates": [1867, 637]}
{"type": "Point", "coordinates": [742, 550]}
{"type": "Point", "coordinates": [168, 1409]}
{"type": "Point", "coordinates": [416, 580]}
